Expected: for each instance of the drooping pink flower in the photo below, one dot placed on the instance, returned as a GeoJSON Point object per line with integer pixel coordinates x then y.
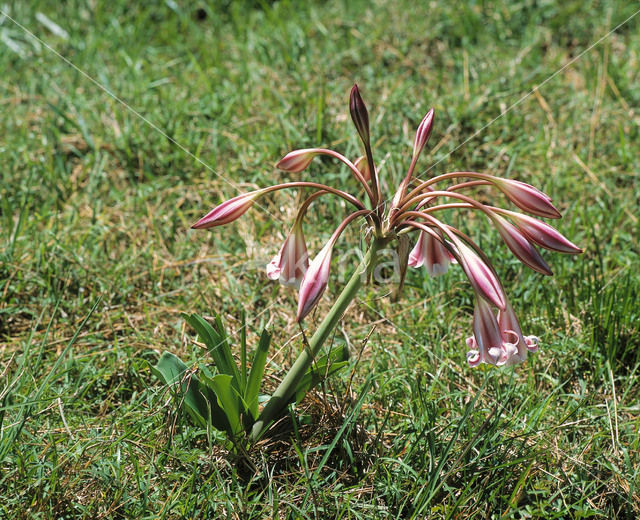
{"type": "Point", "coordinates": [520, 246]}
{"type": "Point", "coordinates": [292, 261]}
{"type": "Point", "coordinates": [316, 278]}
{"type": "Point", "coordinates": [527, 197]}
{"type": "Point", "coordinates": [314, 282]}
{"type": "Point", "coordinates": [541, 233]}
{"type": "Point", "coordinates": [488, 344]}
{"type": "Point", "coordinates": [498, 341]}
{"type": "Point", "coordinates": [228, 211]}
{"type": "Point", "coordinates": [297, 160]}
{"type": "Point", "coordinates": [431, 253]}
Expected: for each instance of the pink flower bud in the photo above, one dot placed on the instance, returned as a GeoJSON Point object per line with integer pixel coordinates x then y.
{"type": "Point", "coordinates": [314, 282]}
{"type": "Point", "coordinates": [520, 246]}
{"type": "Point", "coordinates": [423, 133]}
{"type": "Point", "coordinates": [542, 233]}
{"type": "Point", "coordinates": [291, 263]}
{"type": "Point", "coordinates": [359, 114]}
{"type": "Point", "coordinates": [488, 343]}
{"type": "Point", "coordinates": [481, 276]}
{"type": "Point", "coordinates": [431, 253]}
{"type": "Point", "coordinates": [527, 198]}
{"type": "Point", "coordinates": [297, 160]}
{"type": "Point", "coordinates": [363, 167]}
{"type": "Point", "coordinates": [228, 211]}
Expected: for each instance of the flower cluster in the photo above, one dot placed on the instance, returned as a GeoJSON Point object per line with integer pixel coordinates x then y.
{"type": "Point", "coordinates": [417, 206]}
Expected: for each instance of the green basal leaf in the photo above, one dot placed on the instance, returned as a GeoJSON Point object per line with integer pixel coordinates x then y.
{"type": "Point", "coordinates": [172, 371]}
{"type": "Point", "coordinates": [207, 335]}
{"type": "Point", "coordinates": [228, 399]}
{"type": "Point", "coordinates": [217, 346]}
{"type": "Point", "coordinates": [225, 350]}
{"type": "Point", "coordinates": [199, 401]}
{"type": "Point", "coordinates": [257, 371]}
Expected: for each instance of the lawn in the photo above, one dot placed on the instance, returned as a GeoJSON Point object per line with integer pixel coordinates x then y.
{"type": "Point", "coordinates": [121, 124]}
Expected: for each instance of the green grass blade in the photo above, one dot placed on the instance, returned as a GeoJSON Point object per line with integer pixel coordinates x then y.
{"type": "Point", "coordinates": [26, 412]}
{"type": "Point", "coordinates": [348, 423]}
{"type": "Point", "coordinates": [243, 353]}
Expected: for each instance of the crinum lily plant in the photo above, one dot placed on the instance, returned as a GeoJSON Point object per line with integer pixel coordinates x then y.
{"type": "Point", "coordinates": [416, 206]}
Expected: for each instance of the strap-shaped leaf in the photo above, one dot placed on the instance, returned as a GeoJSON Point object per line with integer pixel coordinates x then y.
{"type": "Point", "coordinates": [200, 401]}
{"type": "Point", "coordinates": [257, 371]}
{"type": "Point", "coordinates": [218, 416]}
{"type": "Point", "coordinates": [224, 346]}
{"type": "Point", "coordinates": [172, 371]}
{"type": "Point", "coordinates": [206, 333]}
{"type": "Point", "coordinates": [217, 346]}
{"type": "Point", "coordinates": [228, 399]}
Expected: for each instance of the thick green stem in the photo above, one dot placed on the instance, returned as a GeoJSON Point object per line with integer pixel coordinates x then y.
{"type": "Point", "coordinates": [287, 388]}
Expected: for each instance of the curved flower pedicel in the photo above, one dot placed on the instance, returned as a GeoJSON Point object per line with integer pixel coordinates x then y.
{"type": "Point", "coordinates": [415, 206]}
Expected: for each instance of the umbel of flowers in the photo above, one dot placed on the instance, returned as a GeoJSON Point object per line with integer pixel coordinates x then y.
{"type": "Point", "coordinates": [416, 207]}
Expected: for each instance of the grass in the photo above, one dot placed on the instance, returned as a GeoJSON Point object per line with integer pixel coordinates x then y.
{"type": "Point", "coordinates": [97, 263]}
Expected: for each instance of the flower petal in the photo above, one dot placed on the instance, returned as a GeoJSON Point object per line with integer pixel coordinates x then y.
{"type": "Point", "coordinates": [417, 255]}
